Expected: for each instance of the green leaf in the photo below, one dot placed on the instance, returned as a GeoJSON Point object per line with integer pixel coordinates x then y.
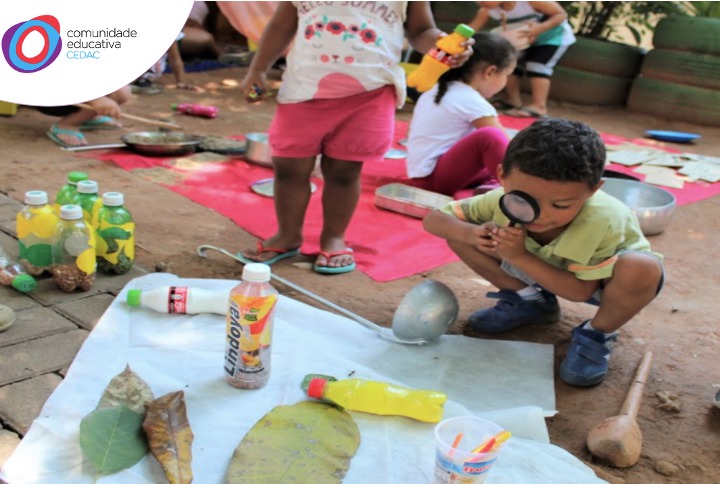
{"type": "Point", "coordinates": [305, 442]}
{"type": "Point", "coordinates": [114, 233]}
{"type": "Point", "coordinates": [113, 439]}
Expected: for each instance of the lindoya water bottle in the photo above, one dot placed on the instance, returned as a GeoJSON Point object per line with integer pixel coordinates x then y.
{"type": "Point", "coordinates": [204, 110]}
{"type": "Point", "coordinates": [179, 300]}
{"type": "Point", "coordinates": [377, 397]}
{"type": "Point", "coordinates": [437, 60]}
{"type": "Point", "coordinates": [250, 314]}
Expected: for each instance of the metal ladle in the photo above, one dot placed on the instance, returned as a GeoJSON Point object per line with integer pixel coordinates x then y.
{"type": "Point", "coordinates": [424, 313]}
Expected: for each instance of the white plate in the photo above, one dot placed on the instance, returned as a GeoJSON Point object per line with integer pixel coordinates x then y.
{"type": "Point", "coordinates": [266, 186]}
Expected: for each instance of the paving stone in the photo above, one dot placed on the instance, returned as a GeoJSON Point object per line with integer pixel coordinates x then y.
{"type": "Point", "coordinates": [16, 300]}
{"type": "Point", "coordinates": [84, 312]}
{"type": "Point", "coordinates": [9, 244]}
{"type": "Point", "coordinates": [5, 200]}
{"type": "Point", "coordinates": [8, 442]}
{"type": "Point", "coordinates": [34, 323]}
{"type": "Point", "coordinates": [39, 356]}
{"type": "Point", "coordinates": [20, 403]}
{"type": "Point", "coordinates": [8, 212]}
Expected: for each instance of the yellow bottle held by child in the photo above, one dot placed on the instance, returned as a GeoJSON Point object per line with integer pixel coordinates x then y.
{"type": "Point", "coordinates": [437, 61]}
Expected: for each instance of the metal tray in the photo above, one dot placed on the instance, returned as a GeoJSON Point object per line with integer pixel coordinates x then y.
{"type": "Point", "coordinates": [162, 143]}
{"type": "Point", "coordinates": [408, 200]}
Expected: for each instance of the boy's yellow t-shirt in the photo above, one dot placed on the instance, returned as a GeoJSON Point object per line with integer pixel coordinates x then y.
{"type": "Point", "coordinates": [588, 247]}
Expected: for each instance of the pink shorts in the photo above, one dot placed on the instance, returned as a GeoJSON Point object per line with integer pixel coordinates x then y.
{"type": "Point", "coordinates": [355, 128]}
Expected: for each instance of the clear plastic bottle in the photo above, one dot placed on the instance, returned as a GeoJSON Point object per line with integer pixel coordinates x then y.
{"type": "Point", "coordinates": [73, 251]}
{"type": "Point", "coordinates": [13, 275]}
{"type": "Point", "coordinates": [88, 198]}
{"type": "Point", "coordinates": [67, 195]}
{"type": "Point", "coordinates": [115, 233]}
{"type": "Point", "coordinates": [379, 398]}
{"type": "Point", "coordinates": [203, 110]}
{"type": "Point", "coordinates": [179, 300]}
{"type": "Point", "coordinates": [35, 225]}
{"type": "Point", "coordinates": [437, 61]}
{"type": "Point", "coordinates": [250, 314]}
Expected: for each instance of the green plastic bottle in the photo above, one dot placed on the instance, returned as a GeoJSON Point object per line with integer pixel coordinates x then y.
{"type": "Point", "coordinates": [115, 233]}
{"type": "Point", "coordinates": [88, 198]}
{"type": "Point", "coordinates": [67, 195]}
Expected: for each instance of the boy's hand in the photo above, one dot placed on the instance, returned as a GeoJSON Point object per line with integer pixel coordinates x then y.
{"type": "Point", "coordinates": [105, 106]}
{"type": "Point", "coordinates": [509, 243]}
{"type": "Point", "coordinates": [254, 86]}
{"type": "Point", "coordinates": [480, 237]}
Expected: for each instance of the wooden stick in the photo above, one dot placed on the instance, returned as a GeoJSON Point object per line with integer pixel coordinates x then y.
{"type": "Point", "coordinates": [632, 400]}
{"type": "Point", "coordinates": [152, 122]}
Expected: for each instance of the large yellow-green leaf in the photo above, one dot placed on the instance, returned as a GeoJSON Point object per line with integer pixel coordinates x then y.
{"type": "Point", "coordinates": [128, 389]}
{"type": "Point", "coordinates": [305, 442]}
{"type": "Point", "coordinates": [112, 438]}
{"type": "Point", "coordinates": [170, 437]}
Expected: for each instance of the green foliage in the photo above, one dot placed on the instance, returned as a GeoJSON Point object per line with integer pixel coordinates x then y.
{"type": "Point", "coordinates": [113, 438]}
{"type": "Point", "coordinates": [705, 9]}
{"type": "Point", "coordinates": [603, 20]}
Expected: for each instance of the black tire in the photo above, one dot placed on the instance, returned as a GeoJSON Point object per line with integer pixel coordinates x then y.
{"type": "Point", "coordinates": [689, 68]}
{"type": "Point", "coordinates": [603, 57]}
{"type": "Point", "coordinates": [675, 101]}
{"type": "Point", "coordinates": [694, 34]}
{"type": "Point", "coordinates": [582, 87]}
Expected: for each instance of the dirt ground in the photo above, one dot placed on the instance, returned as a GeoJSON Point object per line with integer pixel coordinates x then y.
{"type": "Point", "coordinates": [681, 429]}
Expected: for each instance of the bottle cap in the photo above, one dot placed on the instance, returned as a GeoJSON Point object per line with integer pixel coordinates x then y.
{"type": "Point", "coordinates": [256, 272]}
{"type": "Point", "coordinates": [75, 176]}
{"type": "Point", "coordinates": [174, 106]}
{"type": "Point", "coordinates": [113, 199]}
{"type": "Point", "coordinates": [133, 297]}
{"type": "Point", "coordinates": [71, 212]}
{"type": "Point", "coordinates": [316, 388]}
{"type": "Point", "coordinates": [36, 197]}
{"type": "Point", "coordinates": [24, 282]}
{"type": "Point", "coordinates": [87, 186]}
{"type": "Point", "coordinates": [464, 30]}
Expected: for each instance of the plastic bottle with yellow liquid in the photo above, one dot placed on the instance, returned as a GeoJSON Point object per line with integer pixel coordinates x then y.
{"type": "Point", "coordinates": [35, 225]}
{"type": "Point", "coordinates": [437, 60]}
{"type": "Point", "coordinates": [88, 198]}
{"type": "Point", "coordinates": [73, 251]}
{"type": "Point", "coordinates": [115, 234]}
{"type": "Point", "coordinates": [377, 397]}
{"type": "Point", "coordinates": [248, 335]}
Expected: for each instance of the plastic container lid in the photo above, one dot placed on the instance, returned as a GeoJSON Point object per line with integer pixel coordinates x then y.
{"type": "Point", "coordinates": [71, 212]}
{"type": "Point", "coordinates": [174, 106]}
{"type": "Point", "coordinates": [24, 282]}
{"type": "Point", "coordinates": [316, 388]}
{"type": "Point", "coordinates": [87, 186]}
{"type": "Point", "coordinates": [113, 199]}
{"type": "Point", "coordinates": [256, 272]}
{"type": "Point", "coordinates": [75, 176]}
{"type": "Point", "coordinates": [133, 297]}
{"type": "Point", "coordinates": [464, 30]}
{"type": "Point", "coordinates": [36, 197]}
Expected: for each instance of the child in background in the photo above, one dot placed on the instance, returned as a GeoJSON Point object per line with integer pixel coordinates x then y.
{"type": "Point", "coordinates": [584, 246]}
{"type": "Point", "coordinates": [338, 98]}
{"type": "Point", "coordinates": [455, 139]}
{"type": "Point", "coordinates": [549, 36]}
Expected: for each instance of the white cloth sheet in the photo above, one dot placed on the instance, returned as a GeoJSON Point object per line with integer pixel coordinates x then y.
{"type": "Point", "coordinates": [172, 353]}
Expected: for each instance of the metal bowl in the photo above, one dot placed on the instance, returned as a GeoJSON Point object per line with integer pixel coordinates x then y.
{"type": "Point", "coordinates": [258, 149]}
{"type": "Point", "coordinates": [653, 206]}
{"type": "Point", "coordinates": [159, 143]}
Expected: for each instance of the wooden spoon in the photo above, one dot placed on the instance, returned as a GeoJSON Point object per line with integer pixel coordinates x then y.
{"type": "Point", "coordinates": [618, 440]}
{"type": "Point", "coordinates": [152, 122]}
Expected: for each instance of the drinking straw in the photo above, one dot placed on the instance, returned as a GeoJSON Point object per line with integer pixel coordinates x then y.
{"type": "Point", "coordinates": [455, 444]}
{"type": "Point", "coordinates": [491, 444]}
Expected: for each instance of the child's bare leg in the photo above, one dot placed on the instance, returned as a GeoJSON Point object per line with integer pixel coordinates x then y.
{"type": "Point", "coordinates": [512, 91]}
{"type": "Point", "coordinates": [486, 265]}
{"type": "Point", "coordinates": [339, 200]}
{"type": "Point", "coordinates": [72, 122]}
{"type": "Point", "coordinates": [633, 285]}
{"type": "Point", "coordinates": [291, 195]}
{"type": "Point", "coordinates": [540, 87]}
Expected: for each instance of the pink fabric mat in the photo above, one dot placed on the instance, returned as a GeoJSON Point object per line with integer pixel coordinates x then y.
{"type": "Point", "coordinates": [387, 245]}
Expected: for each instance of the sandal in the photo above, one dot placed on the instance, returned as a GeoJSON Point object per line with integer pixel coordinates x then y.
{"type": "Point", "coordinates": [334, 270]}
{"type": "Point", "coordinates": [54, 131]}
{"type": "Point", "coordinates": [281, 254]}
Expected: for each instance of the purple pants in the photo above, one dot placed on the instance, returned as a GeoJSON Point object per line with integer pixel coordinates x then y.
{"type": "Point", "coordinates": [471, 162]}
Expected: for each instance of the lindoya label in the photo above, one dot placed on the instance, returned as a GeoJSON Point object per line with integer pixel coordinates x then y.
{"type": "Point", "coordinates": [248, 332]}
{"type": "Point", "coordinates": [439, 55]}
{"type": "Point", "coordinates": [177, 300]}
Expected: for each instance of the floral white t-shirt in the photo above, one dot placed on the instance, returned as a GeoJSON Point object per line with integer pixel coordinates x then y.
{"type": "Point", "coordinates": [345, 48]}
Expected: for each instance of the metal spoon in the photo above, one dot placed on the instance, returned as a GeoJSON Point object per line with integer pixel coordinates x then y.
{"type": "Point", "coordinates": [424, 314]}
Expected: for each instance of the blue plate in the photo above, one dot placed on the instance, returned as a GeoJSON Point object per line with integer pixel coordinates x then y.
{"type": "Point", "coordinates": [672, 136]}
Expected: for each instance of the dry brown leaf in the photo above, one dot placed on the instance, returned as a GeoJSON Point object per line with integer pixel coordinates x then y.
{"type": "Point", "coordinates": [170, 437]}
{"type": "Point", "coordinates": [128, 389]}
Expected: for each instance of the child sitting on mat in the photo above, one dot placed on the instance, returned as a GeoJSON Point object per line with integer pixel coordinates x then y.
{"type": "Point", "coordinates": [338, 98]}
{"type": "Point", "coordinates": [456, 140]}
{"type": "Point", "coordinates": [584, 245]}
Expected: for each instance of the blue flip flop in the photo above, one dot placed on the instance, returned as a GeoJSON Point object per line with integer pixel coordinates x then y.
{"type": "Point", "coordinates": [98, 123]}
{"type": "Point", "coordinates": [54, 131]}
{"type": "Point", "coordinates": [281, 254]}
{"type": "Point", "coordinates": [334, 270]}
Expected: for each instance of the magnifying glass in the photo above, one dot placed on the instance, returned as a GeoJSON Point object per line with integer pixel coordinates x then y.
{"type": "Point", "coordinates": [519, 207]}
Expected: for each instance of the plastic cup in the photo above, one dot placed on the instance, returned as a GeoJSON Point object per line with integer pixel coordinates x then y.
{"type": "Point", "coordinates": [460, 465]}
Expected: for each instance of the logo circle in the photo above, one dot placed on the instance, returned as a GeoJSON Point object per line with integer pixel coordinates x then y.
{"type": "Point", "coordinates": [14, 38]}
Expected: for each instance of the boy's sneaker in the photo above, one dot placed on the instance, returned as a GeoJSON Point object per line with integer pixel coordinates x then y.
{"type": "Point", "coordinates": [586, 363]}
{"type": "Point", "coordinates": [512, 311]}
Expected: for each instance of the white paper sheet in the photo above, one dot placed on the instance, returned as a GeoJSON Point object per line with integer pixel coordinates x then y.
{"type": "Point", "coordinates": [174, 353]}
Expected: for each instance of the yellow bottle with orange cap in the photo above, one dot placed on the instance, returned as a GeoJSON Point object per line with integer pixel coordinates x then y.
{"type": "Point", "coordinates": [437, 61]}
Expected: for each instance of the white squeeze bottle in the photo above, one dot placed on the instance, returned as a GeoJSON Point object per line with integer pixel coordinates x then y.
{"type": "Point", "coordinates": [250, 313]}
{"type": "Point", "coordinates": [179, 300]}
